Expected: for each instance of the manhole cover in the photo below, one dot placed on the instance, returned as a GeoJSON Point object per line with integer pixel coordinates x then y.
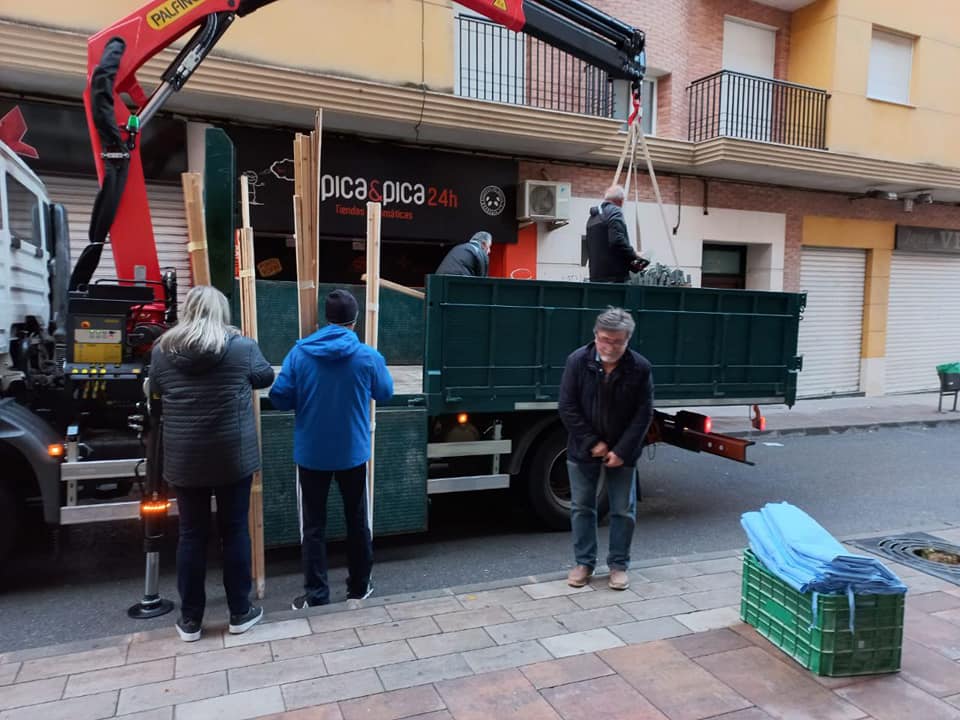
{"type": "Point", "coordinates": [924, 552]}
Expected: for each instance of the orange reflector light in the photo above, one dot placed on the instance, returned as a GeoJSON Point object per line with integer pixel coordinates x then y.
{"type": "Point", "coordinates": [462, 418]}
{"type": "Point", "coordinates": [763, 424]}
{"type": "Point", "coordinates": [708, 424]}
{"type": "Point", "coordinates": [55, 450]}
{"type": "Point", "coordinates": [152, 507]}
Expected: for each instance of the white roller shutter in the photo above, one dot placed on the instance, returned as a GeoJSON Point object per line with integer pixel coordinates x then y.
{"type": "Point", "coordinates": [832, 326]}
{"type": "Point", "coordinates": [166, 210]}
{"type": "Point", "coordinates": [923, 323]}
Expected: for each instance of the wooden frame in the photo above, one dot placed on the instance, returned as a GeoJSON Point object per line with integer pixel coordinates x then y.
{"type": "Point", "coordinates": [248, 313]}
{"type": "Point", "coordinates": [371, 327]}
{"type": "Point", "coordinates": [196, 228]}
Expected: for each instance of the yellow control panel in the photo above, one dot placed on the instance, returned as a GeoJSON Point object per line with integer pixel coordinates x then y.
{"type": "Point", "coordinates": [103, 371]}
{"type": "Point", "coordinates": [98, 339]}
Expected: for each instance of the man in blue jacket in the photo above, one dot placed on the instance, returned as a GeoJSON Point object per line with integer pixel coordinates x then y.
{"type": "Point", "coordinates": [328, 379]}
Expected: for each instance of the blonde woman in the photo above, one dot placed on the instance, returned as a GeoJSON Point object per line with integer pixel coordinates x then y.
{"type": "Point", "coordinates": [205, 372]}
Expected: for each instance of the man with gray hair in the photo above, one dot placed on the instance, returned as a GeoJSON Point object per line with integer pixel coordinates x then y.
{"type": "Point", "coordinates": [610, 253]}
{"type": "Point", "coordinates": [469, 258]}
{"type": "Point", "coordinates": [606, 404]}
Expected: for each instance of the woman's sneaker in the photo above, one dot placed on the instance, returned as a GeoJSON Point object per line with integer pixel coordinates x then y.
{"type": "Point", "coordinates": [188, 630]}
{"type": "Point", "coordinates": [242, 623]}
{"type": "Point", "coordinates": [300, 602]}
{"type": "Point", "coordinates": [361, 596]}
{"type": "Point", "coordinates": [355, 600]}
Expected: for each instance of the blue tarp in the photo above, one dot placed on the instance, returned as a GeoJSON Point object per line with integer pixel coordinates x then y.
{"type": "Point", "coordinates": [798, 550]}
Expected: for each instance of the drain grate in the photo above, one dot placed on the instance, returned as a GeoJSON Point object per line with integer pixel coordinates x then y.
{"type": "Point", "coordinates": [924, 552]}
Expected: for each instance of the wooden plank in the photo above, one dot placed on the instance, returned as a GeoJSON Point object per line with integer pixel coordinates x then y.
{"type": "Point", "coordinates": [248, 312]}
{"type": "Point", "coordinates": [196, 228]}
{"type": "Point", "coordinates": [297, 176]}
{"type": "Point", "coordinates": [317, 177]}
{"type": "Point", "coordinates": [397, 287]}
{"type": "Point", "coordinates": [306, 286]}
{"type": "Point", "coordinates": [305, 220]}
{"type": "Point", "coordinates": [371, 332]}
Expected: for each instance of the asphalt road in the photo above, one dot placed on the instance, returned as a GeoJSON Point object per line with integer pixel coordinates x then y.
{"type": "Point", "coordinates": [854, 483]}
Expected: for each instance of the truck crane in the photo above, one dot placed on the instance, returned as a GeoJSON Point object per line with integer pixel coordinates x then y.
{"type": "Point", "coordinates": [75, 430]}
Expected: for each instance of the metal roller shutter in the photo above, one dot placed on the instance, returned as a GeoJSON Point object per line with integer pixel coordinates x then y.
{"type": "Point", "coordinates": [923, 322]}
{"type": "Point", "coordinates": [832, 327]}
{"type": "Point", "coordinates": [167, 213]}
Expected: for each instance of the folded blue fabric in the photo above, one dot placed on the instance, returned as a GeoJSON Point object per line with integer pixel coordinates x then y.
{"type": "Point", "coordinates": [797, 549]}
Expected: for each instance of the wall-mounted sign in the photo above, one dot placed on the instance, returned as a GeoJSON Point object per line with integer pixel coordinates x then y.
{"type": "Point", "coordinates": [58, 133]}
{"type": "Point", "coordinates": [426, 194]}
{"type": "Point", "coordinates": [929, 240]}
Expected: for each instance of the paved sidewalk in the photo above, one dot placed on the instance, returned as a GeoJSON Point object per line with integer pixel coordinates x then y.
{"type": "Point", "coordinates": [835, 414]}
{"type": "Point", "coordinates": [672, 647]}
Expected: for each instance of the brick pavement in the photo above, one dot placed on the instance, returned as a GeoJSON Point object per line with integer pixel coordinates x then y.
{"type": "Point", "coordinates": [671, 647]}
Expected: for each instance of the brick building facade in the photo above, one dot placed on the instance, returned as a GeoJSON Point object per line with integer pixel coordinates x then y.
{"type": "Point", "coordinates": [821, 152]}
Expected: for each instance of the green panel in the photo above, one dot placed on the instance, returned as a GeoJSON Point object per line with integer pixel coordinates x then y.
{"type": "Point", "coordinates": [280, 523]}
{"type": "Point", "coordinates": [401, 320]}
{"type": "Point", "coordinates": [220, 201]}
{"type": "Point", "coordinates": [494, 342]}
{"type": "Point", "coordinates": [400, 490]}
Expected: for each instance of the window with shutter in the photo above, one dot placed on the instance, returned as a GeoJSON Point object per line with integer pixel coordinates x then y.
{"type": "Point", "coordinates": [891, 58]}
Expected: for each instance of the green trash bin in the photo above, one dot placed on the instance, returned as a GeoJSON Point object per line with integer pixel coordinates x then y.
{"type": "Point", "coordinates": [949, 383]}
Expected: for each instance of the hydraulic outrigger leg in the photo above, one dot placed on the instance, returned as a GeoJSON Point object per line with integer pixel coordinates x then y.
{"type": "Point", "coordinates": [154, 507]}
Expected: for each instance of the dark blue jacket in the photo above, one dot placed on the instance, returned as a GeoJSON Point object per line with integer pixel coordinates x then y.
{"type": "Point", "coordinates": [619, 416]}
{"type": "Point", "coordinates": [329, 379]}
{"type": "Point", "coordinates": [209, 435]}
{"type": "Point", "coordinates": [467, 258]}
{"type": "Point", "coordinates": [608, 245]}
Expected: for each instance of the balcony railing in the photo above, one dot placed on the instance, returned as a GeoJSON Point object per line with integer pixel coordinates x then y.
{"type": "Point", "coordinates": [731, 104]}
{"type": "Point", "coordinates": [497, 64]}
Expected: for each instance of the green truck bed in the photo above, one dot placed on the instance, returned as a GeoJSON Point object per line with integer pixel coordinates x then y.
{"type": "Point", "coordinates": [500, 345]}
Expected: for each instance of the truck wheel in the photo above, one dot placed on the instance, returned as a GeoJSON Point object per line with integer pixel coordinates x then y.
{"type": "Point", "coordinates": [548, 485]}
{"type": "Point", "coordinates": [9, 506]}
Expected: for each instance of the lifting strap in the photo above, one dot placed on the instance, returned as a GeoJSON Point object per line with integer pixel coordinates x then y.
{"type": "Point", "coordinates": [634, 138]}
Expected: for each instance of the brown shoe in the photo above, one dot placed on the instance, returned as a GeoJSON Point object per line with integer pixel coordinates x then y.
{"type": "Point", "coordinates": [618, 580]}
{"type": "Point", "coordinates": [579, 576]}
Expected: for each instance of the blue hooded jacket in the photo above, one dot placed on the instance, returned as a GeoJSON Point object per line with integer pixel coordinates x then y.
{"type": "Point", "coordinates": [328, 379]}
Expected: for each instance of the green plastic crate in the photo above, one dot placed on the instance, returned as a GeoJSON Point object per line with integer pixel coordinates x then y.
{"type": "Point", "coordinates": [826, 647]}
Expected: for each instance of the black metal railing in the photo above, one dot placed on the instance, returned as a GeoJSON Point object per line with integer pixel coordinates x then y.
{"type": "Point", "coordinates": [731, 104]}
{"type": "Point", "coordinates": [500, 65]}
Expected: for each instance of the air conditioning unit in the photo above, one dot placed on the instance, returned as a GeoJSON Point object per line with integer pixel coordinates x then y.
{"type": "Point", "coordinates": [544, 200]}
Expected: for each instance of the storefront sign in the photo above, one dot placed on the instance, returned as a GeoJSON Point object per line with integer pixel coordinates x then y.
{"type": "Point", "coordinates": [60, 137]}
{"type": "Point", "coordinates": [426, 195]}
{"type": "Point", "coordinates": [929, 240]}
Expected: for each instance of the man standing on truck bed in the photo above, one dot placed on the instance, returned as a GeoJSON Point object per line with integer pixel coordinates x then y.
{"type": "Point", "coordinates": [606, 404]}
{"type": "Point", "coordinates": [328, 379]}
{"type": "Point", "coordinates": [470, 258]}
{"type": "Point", "coordinates": [611, 256]}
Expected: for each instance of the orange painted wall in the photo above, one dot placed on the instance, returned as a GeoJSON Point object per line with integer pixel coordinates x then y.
{"type": "Point", "coordinates": [517, 260]}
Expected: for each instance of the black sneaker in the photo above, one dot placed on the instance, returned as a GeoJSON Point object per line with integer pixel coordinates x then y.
{"type": "Point", "coordinates": [300, 602]}
{"type": "Point", "coordinates": [361, 596]}
{"type": "Point", "coordinates": [242, 623]}
{"type": "Point", "coordinates": [188, 630]}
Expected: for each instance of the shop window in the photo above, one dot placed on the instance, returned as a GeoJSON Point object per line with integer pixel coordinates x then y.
{"type": "Point", "coordinates": [724, 266]}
